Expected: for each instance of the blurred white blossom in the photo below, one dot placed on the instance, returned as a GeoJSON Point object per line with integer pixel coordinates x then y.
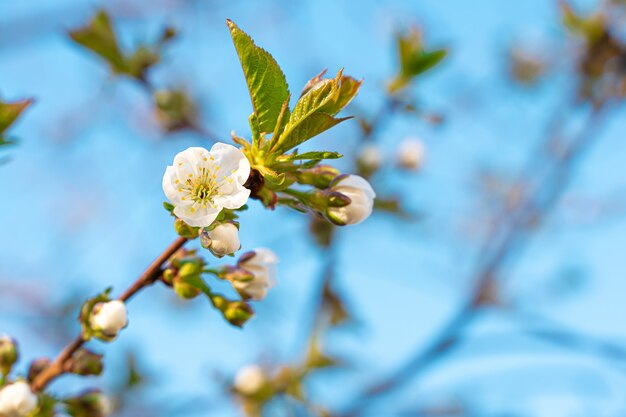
{"type": "Point", "coordinates": [250, 379]}
{"type": "Point", "coordinates": [17, 400]}
{"type": "Point", "coordinates": [261, 263]}
{"type": "Point", "coordinates": [411, 154]}
{"type": "Point", "coordinates": [109, 317]}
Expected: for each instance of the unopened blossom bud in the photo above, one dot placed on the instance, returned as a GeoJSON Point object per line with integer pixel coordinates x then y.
{"type": "Point", "coordinates": [85, 362]}
{"type": "Point", "coordinates": [261, 263]}
{"type": "Point", "coordinates": [89, 404]}
{"type": "Point", "coordinates": [188, 271]}
{"type": "Point", "coordinates": [109, 318]}
{"type": "Point", "coordinates": [238, 313]}
{"type": "Point", "coordinates": [411, 154]}
{"type": "Point", "coordinates": [184, 230]}
{"type": "Point", "coordinates": [370, 158]}
{"type": "Point", "coordinates": [222, 240]}
{"type": "Point", "coordinates": [361, 196]}
{"type": "Point", "coordinates": [17, 400]}
{"type": "Point", "coordinates": [320, 176]}
{"type": "Point", "coordinates": [8, 354]}
{"type": "Point", "coordinates": [249, 380]}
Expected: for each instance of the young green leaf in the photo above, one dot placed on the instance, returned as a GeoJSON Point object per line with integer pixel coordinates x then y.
{"type": "Point", "coordinates": [266, 82]}
{"type": "Point", "coordinates": [313, 114]}
{"type": "Point", "coordinates": [9, 112]}
{"type": "Point", "coordinates": [316, 155]}
{"type": "Point", "coordinates": [99, 37]}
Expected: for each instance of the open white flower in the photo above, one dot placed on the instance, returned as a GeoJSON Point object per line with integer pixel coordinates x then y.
{"type": "Point", "coordinates": [109, 317]}
{"type": "Point", "coordinates": [411, 154]}
{"type": "Point", "coordinates": [201, 183]}
{"type": "Point", "coordinates": [361, 195]}
{"type": "Point", "coordinates": [250, 379]}
{"type": "Point", "coordinates": [17, 400]}
{"type": "Point", "coordinates": [221, 240]}
{"type": "Point", "coordinates": [261, 263]}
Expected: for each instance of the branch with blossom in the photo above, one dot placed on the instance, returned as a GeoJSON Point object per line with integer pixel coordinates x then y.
{"type": "Point", "coordinates": [206, 189]}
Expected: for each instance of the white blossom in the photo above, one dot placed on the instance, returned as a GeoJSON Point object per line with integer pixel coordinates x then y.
{"type": "Point", "coordinates": [17, 400]}
{"type": "Point", "coordinates": [370, 157]}
{"type": "Point", "coordinates": [250, 379]}
{"type": "Point", "coordinates": [221, 240]}
{"type": "Point", "coordinates": [261, 263]}
{"type": "Point", "coordinates": [361, 195]}
{"type": "Point", "coordinates": [201, 183]}
{"type": "Point", "coordinates": [411, 154]}
{"type": "Point", "coordinates": [109, 317]}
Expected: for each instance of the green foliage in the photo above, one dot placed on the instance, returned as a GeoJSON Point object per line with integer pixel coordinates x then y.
{"type": "Point", "coordinates": [414, 59]}
{"type": "Point", "coordinates": [321, 99]}
{"type": "Point", "coordinates": [266, 81]}
{"type": "Point", "coordinates": [314, 111]}
{"type": "Point", "coordinates": [99, 37]}
{"type": "Point", "coordinates": [9, 112]}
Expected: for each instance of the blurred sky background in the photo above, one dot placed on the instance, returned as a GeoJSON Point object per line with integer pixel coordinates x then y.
{"type": "Point", "coordinates": [81, 206]}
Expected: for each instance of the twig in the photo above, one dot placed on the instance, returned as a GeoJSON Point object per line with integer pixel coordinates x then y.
{"type": "Point", "coordinates": [149, 276]}
{"type": "Point", "coordinates": [535, 208]}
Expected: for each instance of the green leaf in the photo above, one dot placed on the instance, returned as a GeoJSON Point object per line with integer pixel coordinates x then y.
{"type": "Point", "coordinates": [99, 37]}
{"type": "Point", "coordinates": [9, 112]}
{"type": "Point", "coordinates": [266, 82]}
{"type": "Point", "coordinates": [414, 59]}
{"type": "Point", "coordinates": [313, 114]}
{"type": "Point", "coordinates": [316, 155]}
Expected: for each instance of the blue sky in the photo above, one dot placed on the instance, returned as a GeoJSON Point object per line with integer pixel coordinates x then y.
{"type": "Point", "coordinates": [82, 206]}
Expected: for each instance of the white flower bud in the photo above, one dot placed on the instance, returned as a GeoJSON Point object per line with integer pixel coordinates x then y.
{"type": "Point", "coordinates": [261, 263]}
{"type": "Point", "coordinates": [370, 157]}
{"type": "Point", "coordinates": [411, 154]}
{"type": "Point", "coordinates": [361, 195]}
{"type": "Point", "coordinates": [222, 240]}
{"type": "Point", "coordinates": [250, 379]}
{"type": "Point", "coordinates": [109, 317]}
{"type": "Point", "coordinates": [17, 400]}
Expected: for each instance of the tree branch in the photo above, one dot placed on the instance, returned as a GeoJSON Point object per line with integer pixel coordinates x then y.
{"type": "Point", "coordinates": [149, 277]}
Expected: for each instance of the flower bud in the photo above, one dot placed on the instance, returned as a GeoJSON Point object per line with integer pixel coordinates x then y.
{"type": "Point", "coordinates": [84, 362]}
{"type": "Point", "coordinates": [89, 404]}
{"type": "Point", "coordinates": [17, 400]}
{"type": "Point", "coordinates": [109, 318]}
{"type": "Point", "coordinates": [411, 154]}
{"type": "Point", "coordinates": [222, 240]}
{"type": "Point", "coordinates": [184, 230]}
{"type": "Point", "coordinates": [320, 176]}
{"type": "Point", "coordinates": [361, 196]}
{"type": "Point", "coordinates": [8, 354]}
{"type": "Point", "coordinates": [370, 158]}
{"type": "Point", "coordinates": [187, 272]}
{"type": "Point", "coordinates": [238, 313]}
{"type": "Point", "coordinates": [261, 263]}
{"type": "Point", "coordinates": [249, 380]}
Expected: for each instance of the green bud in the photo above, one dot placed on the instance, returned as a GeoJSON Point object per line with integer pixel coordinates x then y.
{"type": "Point", "coordinates": [168, 276]}
{"type": "Point", "coordinates": [186, 231]}
{"type": "Point", "coordinates": [238, 313]}
{"type": "Point", "coordinates": [320, 177]}
{"type": "Point", "coordinates": [36, 367]}
{"type": "Point", "coordinates": [85, 362]}
{"type": "Point", "coordinates": [233, 274]}
{"type": "Point", "coordinates": [185, 290]}
{"type": "Point", "coordinates": [8, 354]}
{"type": "Point", "coordinates": [88, 404]}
